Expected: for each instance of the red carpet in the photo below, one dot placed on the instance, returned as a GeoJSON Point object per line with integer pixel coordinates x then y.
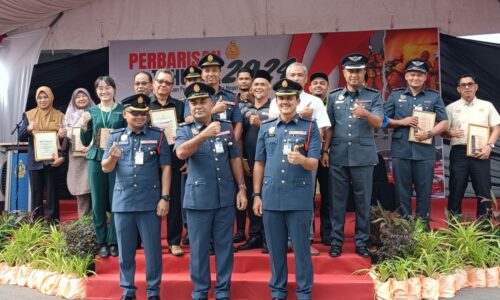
{"type": "Point", "coordinates": [333, 278]}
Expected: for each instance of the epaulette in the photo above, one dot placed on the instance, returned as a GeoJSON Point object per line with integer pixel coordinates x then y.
{"type": "Point", "coordinates": [155, 128]}
{"type": "Point", "coordinates": [306, 119]}
{"type": "Point", "coordinates": [433, 91]}
{"type": "Point", "coordinates": [117, 130]}
{"type": "Point", "coordinates": [227, 91]}
{"type": "Point", "coordinates": [185, 123]}
{"type": "Point", "coordinates": [399, 89]}
{"type": "Point", "coordinates": [372, 89]}
{"type": "Point", "coordinates": [269, 120]}
{"type": "Point", "coordinates": [336, 90]}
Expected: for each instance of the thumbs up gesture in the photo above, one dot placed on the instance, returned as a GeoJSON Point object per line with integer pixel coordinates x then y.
{"type": "Point", "coordinates": [62, 132]}
{"type": "Point", "coordinates": [85, 118]}
{"type": "Point", "coordinates": [359, 110]}
{"type": "Point", "coordinates": [115, 151]}
{"type": "Point", "coordinates": [295, 157]}
{"type": "Point", "coordinates": [219, 107]}
{"type": "Point", "coordinates": [307, 112]}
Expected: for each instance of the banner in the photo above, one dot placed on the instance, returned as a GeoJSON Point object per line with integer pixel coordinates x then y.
{"type": "Point", "coordinates": [388, 52]}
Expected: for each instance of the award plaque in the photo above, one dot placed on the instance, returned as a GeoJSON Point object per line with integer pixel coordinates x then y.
{"type": "Point", "coordinates": [102, 137]}
{"type": "Point", "coordinates": [426, 121]}
{"type": "Point", "coordinates": [477, 138]}
{"type": "Point", "coordinates": [45, 143]}
{"type": "Point", "coordinates": [77, 147]}
{"type": "Point", "coordinates": [165, 119]}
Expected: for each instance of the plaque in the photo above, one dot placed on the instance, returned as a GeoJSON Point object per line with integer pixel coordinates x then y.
{"type": "Point", "coordinates": [45, 143]}
{"type": "Point", "coordinates": [477, 138]}
{"type": "Point", "coordinates": [77, 147]}
{"type": "Point", "coordinates": [165, 119]}
{"type": "Point", "coordinates": [426, 121]}
{"type": "Point", "coordinates": [102, 137]}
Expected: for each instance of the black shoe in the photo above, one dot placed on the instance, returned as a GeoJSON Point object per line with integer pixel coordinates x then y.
{"type": "Point", "coordinates": [239, 237]}
{"type": "Point", "coordinates": [362, 251]}
{"type": "Point", "coordinates": [252, 243]}
{"type": "Point", "coordinates": [154, 298]}
{"type": "Point", "coordinates": [212, 251]}
{"type": "Point", "coordinates": [200, 298]}
{"type": "Point", "coordinates": [276, 298]}
{"type": "Point", "coordinates": [335, 251]}
{"type": "Point", "coordinates": [264, 249]}
{"type": "Point", "coordinates": [225, 298]}
{"type": "Point", "coordinates": [113, 250]}
{"type": "Point", "coordinates": [326, 240]}
{"type": "Point", "coordinates": [128, 298]}
{"type": "Point", "coordinates": [103, 251]}
{"type": "Point", "coordinates": [185, 240]}
{"type": "Point", "coordinates": [235, 249]}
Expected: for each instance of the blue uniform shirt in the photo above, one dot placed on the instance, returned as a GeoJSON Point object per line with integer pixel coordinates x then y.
{"type": "Point", "coordinates": [233, 113]}
{"type": "Point", "coordinates": [286, 186]}
{"type": "Point", "coordinates": [400, 105]}
{"type": "Point", "coordinates": [353, 142]}
{"type": "Point", "coordinates": [210, 183]}
{"type": "Point", "coordinates": [138, 187]}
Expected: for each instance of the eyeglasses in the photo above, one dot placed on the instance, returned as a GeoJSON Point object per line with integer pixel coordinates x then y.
{"type": "Point", "coordinates": [137, 113]}
{"type": "Point", "coordinates": [467, 84]}
{"type": "Point", "coordinates": [141, 83]}
{"type": "Point", "coordinates": [161, 82]}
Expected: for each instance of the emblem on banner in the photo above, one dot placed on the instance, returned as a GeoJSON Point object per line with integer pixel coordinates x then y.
{"type": "Point", "coordinates": [232, 50]}
{"type": "Point", "coordinates": [21, 169]}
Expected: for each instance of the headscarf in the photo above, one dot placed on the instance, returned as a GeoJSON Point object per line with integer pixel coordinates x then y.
{"type": "Point", "coordinates": [73, 115]}
{"type": "Point", "coordinates": [47, 119]}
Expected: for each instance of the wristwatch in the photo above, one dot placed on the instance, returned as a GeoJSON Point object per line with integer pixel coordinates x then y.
{"type": "Point", "coordinates": [324, 151]}
{"type": "Point", "coordinates": [255, 195]}
{"type": "Point", "coordinates": [492, 145]}
{"type": "Point", "coordinates": [165, 197]}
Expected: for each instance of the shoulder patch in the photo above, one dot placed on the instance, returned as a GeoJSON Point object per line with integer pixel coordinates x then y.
{"type": "Point", "coordinates": [336, 90]}
{"type": "Point", "coordinates": [269, 120]}
{"type": "Point", "coordinates": [185, 124]}
{"type": "Point", "coordinates": [118, 130]}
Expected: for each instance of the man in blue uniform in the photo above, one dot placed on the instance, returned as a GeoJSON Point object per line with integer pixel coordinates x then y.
{"type": "Point", "coordinates": [140, 196]}
{"type": "Point", "coordinates": [413, 162]}
{"type": "Point", "coordinates": [214, 164]}
{"type": "Point", "coordinates": [351, 153]}
{"type": "Point", "coordinates": [287, 153]}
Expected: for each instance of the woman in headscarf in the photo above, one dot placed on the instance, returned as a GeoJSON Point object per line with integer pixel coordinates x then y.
{"type": "Point", "coordinates": [44, 117]}
{"type": "Point", "coordinates": [77, 178]}
{"type": "Point", "coordinates": [97, 123]}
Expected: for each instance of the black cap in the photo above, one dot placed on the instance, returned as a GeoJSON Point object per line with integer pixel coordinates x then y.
{"type": "Point", "coordinates": [138, 102]}
{"type": "Point", "coordinates": [263, 74]}
{"type": "Point", "coordinates": [286, 87]}
{"type": "Point", "coordinates": [354, 61]}
{"type": "Point", "coordinates": [211, 60]}
{"type": "Point", "coordinates": [191, 72]}
{"type": "Point", "coordinates": [417, 65]}
{"type": "Point", "coordinates": [318, 74]}
{"type": "Point", "coordinates": [198, 90]}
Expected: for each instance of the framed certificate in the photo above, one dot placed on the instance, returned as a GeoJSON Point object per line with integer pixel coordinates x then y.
{"type": "Point", "coordinates": [102, 137]}
{"type": "Point", "coordinates": [165, 119]}
{"type": "Point", "coordinates": [426, 121]}
{"type": "Point", "coordinates": [45, 143]}
{"type": "Point", "coordinates": [76, 146]}
{"type": "Point", "coordinates": [477, 138]}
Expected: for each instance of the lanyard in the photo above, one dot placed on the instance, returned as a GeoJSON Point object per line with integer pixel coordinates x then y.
{"type": "Point", "coordinates": [105, 122]}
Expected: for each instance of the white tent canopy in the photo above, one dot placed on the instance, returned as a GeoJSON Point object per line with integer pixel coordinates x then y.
{"type": "Point", "coordinates": [92, 24]}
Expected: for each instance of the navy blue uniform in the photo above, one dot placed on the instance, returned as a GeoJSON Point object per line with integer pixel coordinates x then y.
{"type": "Point", "coordinates": [413, 163]}
{"type": "Point", "coordinates": [136, 194]}
{"type": "Point", "coordinates": [209, 200]}
{"type": "Point", "coordinates": [286, 189]}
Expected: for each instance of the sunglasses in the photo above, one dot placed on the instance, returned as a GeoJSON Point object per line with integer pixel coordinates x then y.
{"type": "Point", "coordinates": [137, 113]}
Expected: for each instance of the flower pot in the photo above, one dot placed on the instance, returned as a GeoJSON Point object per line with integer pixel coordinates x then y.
{"type": "Point", "coordinates": [430, 288]}
{"type": "Point", "coordinates": [51, 284]}
{"type": "Point", "coordinates": [414, 288]}
{"type": "Point", "coordinates": [460, 279]}
{"type": "Point", "coordinates": [399, 290]}
{"type": "Point", "coordinates": [447, 286]}
{"type": "Point", "coordinates": [4, 271]}
{"type": "Point", "coordinates": [383, 290]}
{"type": "Point", "coordinates": [476, 277]}
{"type": "Point", "coordinates": [12, 275]}
{"type": "Point", "coordinates": [492, 277]}
{"type": "Point", "coordinates": [23, 275]}
{"type": "Point", "coordinates": [77, 288]}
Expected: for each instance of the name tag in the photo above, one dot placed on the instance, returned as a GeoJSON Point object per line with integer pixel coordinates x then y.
{"type": "Point", "coordinates": [149, 142]}
{"type": "Point", "coordinates": [298, 132]}
{"type": "Point", "coordinates": [339, 101]}
{"type": "Point", "coordinates": [229, 103]}
{"type": "Point", "coordinates": [401, 100]}
{"type": "Point", "coordinates": [427, 101]}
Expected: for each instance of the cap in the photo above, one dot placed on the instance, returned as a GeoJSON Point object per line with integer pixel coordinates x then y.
{"type": "Point", "coordinates": [211, 60]}
{"type": "Point", "coordinates": [318, 75]}
{"type": "Point", "coordinates": [198, 90]}
{"type": "Point", "coordinates": [286, 87]}
{"type": "Point", "coordinates": [354, 61]}
{"type": "Point", "coordinates": [138, 102]}
{"type": "Point", "coordinates": [417, 65]}
{"type": "Point", "coordinates": [263, 74]}
{"type": "Point", "coordinates": [191, 72]}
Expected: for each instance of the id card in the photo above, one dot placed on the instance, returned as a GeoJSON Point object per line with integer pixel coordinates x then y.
{"type": "Point", "coordinates": [219, 148]}
{"type": "Point", "coordinates": [223, 115]}
{"type": "Point", "coordinates": [287, 148]}
{"type": "Point", "coordinates": [139, 158]}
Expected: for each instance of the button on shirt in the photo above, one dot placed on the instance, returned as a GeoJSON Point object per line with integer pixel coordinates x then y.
{"type": "Point", "coordinates": [320, 116]}
{"type": "Point", "coordinates": [138, 186]}
{"type": "Point", "coordinates": [477, 112]}
{"type": "Point", "coordinates": [210, 183]}
{"type": "Point", "coordinates": [400, 105]}
{"type": "Point", "coordinates": [286, 186]}
{"type": "Point", "coordinates": [353, 142]}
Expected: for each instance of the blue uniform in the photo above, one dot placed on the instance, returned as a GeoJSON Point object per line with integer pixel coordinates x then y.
{"type": "Point", "coordinates": [210, 206]}
{"type": "Point", "coordinates": [137, 192]}
{"type": "Point", "coordinates": [232, 113]}
{"type": "Point", "coordinates": [353, 155]}
{"type": "Point", "coordinates": [285, 191]}
{"type": "Point", "coordinates": [413, 163]}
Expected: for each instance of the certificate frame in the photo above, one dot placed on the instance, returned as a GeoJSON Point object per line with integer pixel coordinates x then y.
{"type": "Point", "coordinates": [165, 119]}
{"type": "Point", "coordinates": [45, 145]}
{"type": "Point", "coordinates": [102, 137]}
{"type": "Point", "coordinates": [477, 138]}
{"type": "Point", "coordinates": [77, 147]}
{"type": "Point", "coordinates": [426, 121]}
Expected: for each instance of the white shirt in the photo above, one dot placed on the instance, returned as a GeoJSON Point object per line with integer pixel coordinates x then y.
{"type": "Point", "coordinates": [320, 115]}
{"type": "Point", "coordinates": [478, 112]}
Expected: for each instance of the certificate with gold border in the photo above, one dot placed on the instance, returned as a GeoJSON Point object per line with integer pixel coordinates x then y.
{"type": "Point", "coordinates": [45, 144]}
{"type": "Point", "coordinates": [477, 138]}
{"type": "Point", "coordinates": [165, 119]}
{"type": "Point", "coordinates": [426, 121]}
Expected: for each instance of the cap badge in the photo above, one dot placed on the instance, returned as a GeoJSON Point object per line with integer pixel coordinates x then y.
{"type": "Point", "coordinates": [355, 58]}
{"type": "Point", "coordinates": [418, 63]}
{"type": "Point", "coordinates": [210, 58]}
{"type": "Point", "coordinates": [284, 84]}
{"type": "Point", "coordinates": [140, 100]}
{"type": "Point", "coordinates": [196, 88]}
{"type": "Point", "coordinates": [191, 70]}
